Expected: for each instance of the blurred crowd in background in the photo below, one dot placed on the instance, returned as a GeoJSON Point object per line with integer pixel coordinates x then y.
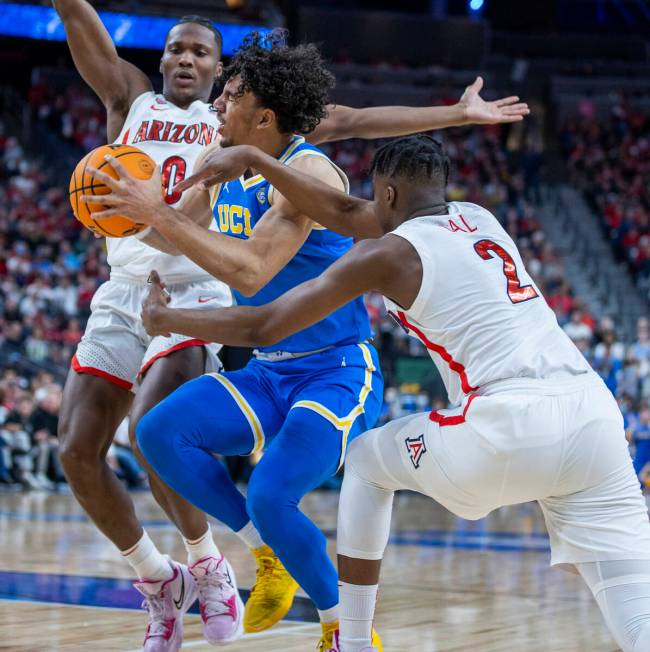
{"type": "Point", "coordinates": [50, 268]}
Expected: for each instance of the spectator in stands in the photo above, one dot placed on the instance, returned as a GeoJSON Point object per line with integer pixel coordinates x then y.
{"type": "Point", "coordinates": [43, 424]}
{"type": "Point", "coordinates": [577, 329]}
{"type": "Point", "coordinates": [638, 433]}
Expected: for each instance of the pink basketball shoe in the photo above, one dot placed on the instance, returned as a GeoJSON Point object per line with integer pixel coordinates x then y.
{"type": "Point", "coordinates": [221, 607]}
{"type": "Point", "coordinates": [167, 601]}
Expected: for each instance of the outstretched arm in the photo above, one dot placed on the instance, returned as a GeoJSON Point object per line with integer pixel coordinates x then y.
{"type": "Point", "coordinates": [116, 82]}
{"type": "Point", "coordinates": [386, 121]}
{"type": "Point", "coordinates": [324, 204]}
{"type": "Point", "coordinates": [389, 265]}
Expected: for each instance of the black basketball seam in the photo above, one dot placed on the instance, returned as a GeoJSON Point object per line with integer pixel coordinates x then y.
{"type": "Point", "coordinates": [83, 189]}
{"type": "Point", "coordinates": [92, 187]}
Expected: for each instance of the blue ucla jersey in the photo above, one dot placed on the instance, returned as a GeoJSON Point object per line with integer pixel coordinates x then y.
{"type": "Point", "coordinates": [238, 206]}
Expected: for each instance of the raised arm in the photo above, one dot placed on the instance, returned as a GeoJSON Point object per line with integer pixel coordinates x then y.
{"type": "Point", "coordinates": [389, 265]}
{"type": "Point", "coordinates": [246, 265]}
{"type": "Point", "coordinates": [324, 204]}
{"type": "Point", "coordinates": [116, 82]}
{"type": "Point", "coordinates": [386, 121]}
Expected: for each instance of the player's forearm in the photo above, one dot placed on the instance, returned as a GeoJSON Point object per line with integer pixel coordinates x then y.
{"type": "Point", "coordinates": [322, 203]}
{"type": "Point", "coordinates": [229, 259]}
{"type": "Point", "coordinates": [238, 326]}
{"type": "Point", "coordinates": [390, 121]}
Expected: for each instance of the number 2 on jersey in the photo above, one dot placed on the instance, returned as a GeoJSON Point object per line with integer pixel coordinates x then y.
{"type": "Point", "coordinates": [517, 293]}
{"type": "Point", "coordinates": [173, 172]}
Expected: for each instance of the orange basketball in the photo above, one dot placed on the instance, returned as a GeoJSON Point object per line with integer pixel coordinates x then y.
{"type": "Point", "coordinates": [139, 165]}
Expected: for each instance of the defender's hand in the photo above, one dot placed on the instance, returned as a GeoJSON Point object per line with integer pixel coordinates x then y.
{"type": "Point", "coordinates": [155, 305]}
{"type": "Point", "coordinates": [478, 111]}
{"type": "Point", "coordinates": [140, 200]}
{"type": "Point", "coordinates": [220, 165]}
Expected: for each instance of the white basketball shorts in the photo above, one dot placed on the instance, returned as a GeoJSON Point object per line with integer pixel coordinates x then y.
{"type": "Point", "coordinates": [115, 345]}
{"type": "Point", "coordinates": [560, 443]}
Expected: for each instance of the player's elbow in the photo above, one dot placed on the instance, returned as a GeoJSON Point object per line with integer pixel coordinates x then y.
{"type": "Point", "coordinates": [250, 280]}
{"type": "Point", "coordinates": [266, 333]}
{"type": "Point", "coordinates": [248, 287]}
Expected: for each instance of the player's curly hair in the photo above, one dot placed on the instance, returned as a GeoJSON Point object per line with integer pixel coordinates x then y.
{"type": "Point", "coordinates": [291, 81]}
{"type": "Point", "coordinates": [414, 157]}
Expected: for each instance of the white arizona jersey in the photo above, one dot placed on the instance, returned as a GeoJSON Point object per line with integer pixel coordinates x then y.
{"type": "Point", "coordinates": [478, 312]}
{"type": "Point", "coordinates": [174, 138]}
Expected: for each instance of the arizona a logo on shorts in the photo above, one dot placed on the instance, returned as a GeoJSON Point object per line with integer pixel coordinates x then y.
{"type": "Point", "coordinates": [416, 449]}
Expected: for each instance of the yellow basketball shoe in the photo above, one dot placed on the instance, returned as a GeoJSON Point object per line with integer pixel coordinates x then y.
{"type": "Point", "coordinates": [272, 595]}
{"type": "Point", "coordinates": [329, 641]}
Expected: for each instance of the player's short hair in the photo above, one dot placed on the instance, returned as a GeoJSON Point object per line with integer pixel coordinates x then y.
{"type": "Point", "coordinates": [291, 81]}
{"type": "Point", "coordinates": [204, 22]}
{"type": "Point", "coordinates": [417, 157]}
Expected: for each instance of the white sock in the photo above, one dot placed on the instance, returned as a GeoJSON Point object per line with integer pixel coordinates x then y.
{"type": "Point", "coordinates": [329, 615]}
{"type": "Point", "coordinates": [202, 547]}
{"type": "Point", "coordinates": [146, 560]}
{"type": "Point", "coordinates": [357, 612]}
{"type": "Point", "coordinates": [250, 536]}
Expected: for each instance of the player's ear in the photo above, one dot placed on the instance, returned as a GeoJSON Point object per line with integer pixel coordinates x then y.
{"type": "Point", "coordinates": [218, 70]}
{"type": "Point", "coordinates": [160, 68]}
{"type": "Point", "coordinates": [390, 195]}
{"type": "Point", "coordinates": [267, 119]}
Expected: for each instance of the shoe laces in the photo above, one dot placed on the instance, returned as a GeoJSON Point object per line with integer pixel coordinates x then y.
{"type": "Point", "coordinates": [158, 624]}
{"type": "Point", "coordinates": [213, 594]}
{"type": "Point", "coordinates": [268, 569]}
{"type": "Point", "coordinates": [326, 643]}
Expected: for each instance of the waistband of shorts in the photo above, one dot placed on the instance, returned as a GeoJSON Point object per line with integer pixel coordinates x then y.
{"type": "Point", "coordinates": [168, 279]}
{"type": "Point", "coordinates": [555, 385]}
{"type": "Point", "coordinates": [279, 356]}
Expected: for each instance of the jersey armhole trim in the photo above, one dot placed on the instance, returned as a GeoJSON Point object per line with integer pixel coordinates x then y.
{"type": "Point", "coordinates": [425, 286]}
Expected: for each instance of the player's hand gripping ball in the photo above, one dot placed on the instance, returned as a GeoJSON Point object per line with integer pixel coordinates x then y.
{"type": "Point", "coordinates": [139, 165]}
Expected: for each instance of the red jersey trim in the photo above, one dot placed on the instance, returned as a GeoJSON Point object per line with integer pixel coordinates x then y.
{"type": "Point", "coordinates": [177, 347]}
{"type": "Point", "coordinates": [92, 371]}
{"type": "Point", "coordinates": [454, 419]}
{"type": "Point", "coordinates": [454, 365]}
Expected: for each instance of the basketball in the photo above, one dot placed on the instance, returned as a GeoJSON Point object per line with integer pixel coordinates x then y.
{"type": "Point", "coordinates": [139, 164]}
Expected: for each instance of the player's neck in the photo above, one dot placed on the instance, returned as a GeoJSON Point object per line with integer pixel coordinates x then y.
{"type": "Point", "coordinates": [274, 144]}
{"type": "Point", "coordinates": [434, 207]}
{"type": "Point", "coordinates": [183, 104]}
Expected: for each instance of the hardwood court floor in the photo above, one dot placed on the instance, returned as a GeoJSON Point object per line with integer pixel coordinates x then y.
{"type": "Point", "coordinates": [447, 584]}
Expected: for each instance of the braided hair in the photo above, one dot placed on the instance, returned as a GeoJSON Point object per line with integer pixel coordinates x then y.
{"type": "Point", "coordinates": [418, 158]}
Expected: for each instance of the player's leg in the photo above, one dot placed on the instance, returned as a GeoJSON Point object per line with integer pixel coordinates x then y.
{"type": "Point", "coordinates": [598, 520]}
{"type": "Point", "coordinates": [96, 399]}
{"type": "Point", "coordinates": [165, 375]}
{"type": "Point", "coordinates": [228, 414]}
{"type": "Point", "coordinates": [212, 572]}
{"type": "Point", "coordinates": [373, 472]}
{"type": "Point", "coordinates": [307, 451]}
{"type": "Point", "coordinates": [301, 457]}
{"type": "Point", "coordinates": [622, 591]}
{"type": "Point", "coordinates": [91, 409]}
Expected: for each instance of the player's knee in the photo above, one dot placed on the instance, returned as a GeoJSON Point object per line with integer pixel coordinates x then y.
{"type": "Point", "coordinates": [79, 456]}
{"type": "Point", "coordinates": [149, 436]}
{"type": "Point", "coordinates": [263, 502]}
